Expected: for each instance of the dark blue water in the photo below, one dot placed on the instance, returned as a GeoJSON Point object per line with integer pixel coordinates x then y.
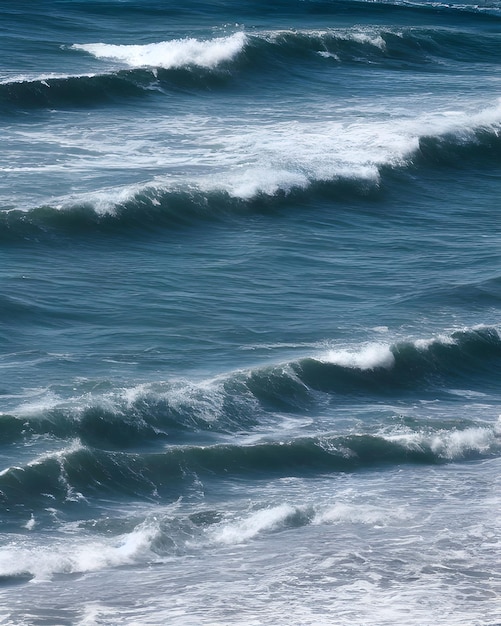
{"type": "Point", "coordinates": [250, 347]}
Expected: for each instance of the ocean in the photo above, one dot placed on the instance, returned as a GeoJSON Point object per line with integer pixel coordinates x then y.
{"type": "Point", "coordinates": [250, 313]}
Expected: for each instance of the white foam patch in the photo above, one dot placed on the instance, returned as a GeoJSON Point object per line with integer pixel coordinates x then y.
{"type": "Point", "coordinates": [41, 78]}
{"type": "Point", "coordinates": [59, 455]}
{"type": "Point", "coordinates": [425, 344]}
{"type": "Point", "coordinates": [242, 530]}
{"type": "Point", "coordinates": [48, 400]}
{"type": "Point", "coordinates": [367, 38]}
{"type": "Point", "coordinates": [456, 444]}
{"type": "Point", "coordinates": [170, 54]}
{"type": "Point", "coordinates": [95, 614]}
{"type": "Point", "coordinates": [458, 123]}
{"type": "Point", "coordinates": [200, 400]}
{"type": "Point", "coordinates": [205, 400]}
{"type": "Point", "coordinates": [449, 445]}
{"type": "Point", "coordinates": [356, 513]}
{"type": "Point", "coordinates": [42, 562]}
{"type": "Point", "coordinates": [258, 180]}
{"type": "Point", "coordinates": [369, 357]}
{"type": "Point", "coordinates": [106, 201]}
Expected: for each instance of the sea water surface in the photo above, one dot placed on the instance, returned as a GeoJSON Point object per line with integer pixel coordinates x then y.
{"type": "Point", "coordinates": [250, 312]}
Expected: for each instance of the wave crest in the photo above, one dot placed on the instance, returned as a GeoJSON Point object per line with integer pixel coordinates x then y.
{"type": "Point", "coordinates": [170, 54]}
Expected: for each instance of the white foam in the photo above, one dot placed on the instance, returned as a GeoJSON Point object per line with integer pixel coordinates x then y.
{"type": "Point", "coordinates": [369, 357]}
{"type": "Point", "coordinates": [205, 399]}
{"type": "Point", "coordinates": [104, 201]}
{"type": "Point", "coordinates": [41, 78]}
{"type": "Point", "coordinates": [450, 445]}
{"type": "Point", "coordinates": [47, 401]}
{"type": "Point", "coordinates": [247, 528]}
{"type": "Point", "coordinates": [95, 614]}
{"type": "Point", "coordinates": [357, 513]}
{"type": "Point", "coordinates": [244, 156]}
{"type": "Point", "coordinates": [59, 455]}
{"type": "Point", "coordinates": [375, 40]}
{"type": "Point", "coordinates": [258, 180]}
{"type": "Point", "coordinates": [170, 54]}
{"type": "Point", "coordinates": [43, 561]}
{"type": "Point", "coordinates": [369, 36]}
{"type": "Point", "coordinates": [455, 444]}
{"type": "Point", "coordinates": [425, 344]}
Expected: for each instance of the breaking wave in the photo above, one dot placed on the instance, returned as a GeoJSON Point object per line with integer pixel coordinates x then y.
{"type": "Point", "coordinates": [158, 68]}
{"type": "Point", "coordinates": [170, 54]}
{"type": "Point", "coordinates": [80, 473]}
{"type": "Point", "coordinates": [326, 163]}
{"type": "Point", "coordinates": [244, 401]}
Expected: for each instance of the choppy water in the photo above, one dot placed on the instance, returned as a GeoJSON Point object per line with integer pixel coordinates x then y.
{"type": "Point", "coordinates": [250, 346]}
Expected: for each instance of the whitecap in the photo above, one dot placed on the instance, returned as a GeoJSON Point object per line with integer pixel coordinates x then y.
{"type": "Point", "coordinates": [170, 54]}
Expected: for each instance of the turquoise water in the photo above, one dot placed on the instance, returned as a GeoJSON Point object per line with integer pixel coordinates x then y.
{"type": "Point", "coordinates": [250, 343]}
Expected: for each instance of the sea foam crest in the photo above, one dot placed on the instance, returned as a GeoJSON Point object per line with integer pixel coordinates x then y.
{"type": "Point", "coordinates": [247, 528]}
{"type": "Point", "coordinates": [41, 78]}
{"type": "Point", "coordinates": [366, 36]}
{"type": "Point", "coordinates": [271, 519]}
{"type": "Point", "coordinates": [170, 54]}
{"type": "Point", "coordinates": [369, 357]}
{"type": "Point", "coordinates": [448, 445]}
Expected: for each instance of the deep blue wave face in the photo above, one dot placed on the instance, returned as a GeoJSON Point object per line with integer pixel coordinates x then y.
{"type": "Point", "coordinates": [250, 343]}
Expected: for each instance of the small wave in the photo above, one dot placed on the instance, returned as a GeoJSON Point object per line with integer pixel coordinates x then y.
{"type": "Point", "coordinates": [41, 563]}
{"type": "Point", "coordinates": [392, 368]}
{"type": "Point", "coordinates": [249, 527]}
{"type": "Point", "coordinates": [267, 520]}
{"type": "Point", "coordinates": [136, 416]}
{"type": "Point", "coordinates": [457, 11]}
{"type": "Point", "coordinates": [83, 90]}
{"type": "Point", "coordinates": [157, 537]}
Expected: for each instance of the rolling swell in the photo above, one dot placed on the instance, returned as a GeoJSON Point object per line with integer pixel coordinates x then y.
{"type": "Point", "coordinates": [246, 401]}
{"type": "Point", "coordinates": [275, 50]}
{"type": "Point", "coordinates": [79, 473]}
{"type": "Point", "coordinates": [269, 52]}
{"type": "Point", "coordinates": [154, 206]}
{"type": "Point", "coordinates": [181, 65]}
{"type": "Point", "coordinates": [395, 49]}
{"type": "Point", "coordinates": [148, 209]}
{"type": "Point", "coordinates": [117, 87]}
